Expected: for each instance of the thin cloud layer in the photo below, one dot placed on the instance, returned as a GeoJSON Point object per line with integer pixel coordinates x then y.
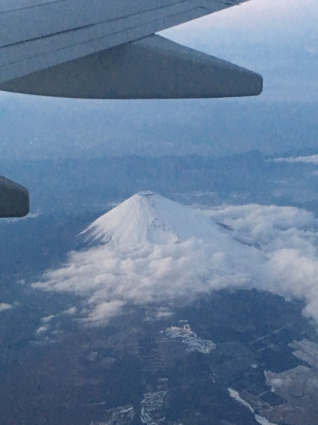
{"type": "Point", "coordinates": [264, 247]}
{"type": "Point", "coordinates": [5, 306]}
{"type": "Point", "coordinates": [313, 159]}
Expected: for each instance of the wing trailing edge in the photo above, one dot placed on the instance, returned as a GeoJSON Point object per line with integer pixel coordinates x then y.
{"type": "Point", "coordinates": [150, 68]}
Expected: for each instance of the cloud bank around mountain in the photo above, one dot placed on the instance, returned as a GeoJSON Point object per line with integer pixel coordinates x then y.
{"type": "Point", "coordinates": [288, 238]}
{"type": "Point", "coordinates": [263, 247]}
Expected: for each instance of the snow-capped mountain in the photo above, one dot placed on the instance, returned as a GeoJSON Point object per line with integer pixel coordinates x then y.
{"type": "Point", "coordinates": [152, 250]}
{"type": "Point", "coordinates": [150, 218]}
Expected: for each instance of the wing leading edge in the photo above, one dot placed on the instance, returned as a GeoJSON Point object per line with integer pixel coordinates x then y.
{"type": "Point", "coordinates": [98, 52]}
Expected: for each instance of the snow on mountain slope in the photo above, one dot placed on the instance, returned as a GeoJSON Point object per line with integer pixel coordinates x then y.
{"type": "Point", "coordinates": [150, 218]}
{"type": "Point", "coordinates": [152, 250]}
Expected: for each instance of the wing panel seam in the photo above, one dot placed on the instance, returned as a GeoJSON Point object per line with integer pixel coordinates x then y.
{"type": "Point", "coordinates": [93, 39]}
{"type": "Point", "coordinates": [87, 26]}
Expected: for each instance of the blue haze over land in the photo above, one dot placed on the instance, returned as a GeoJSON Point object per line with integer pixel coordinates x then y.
{"type": "Point", "coordinates": [277, 40]}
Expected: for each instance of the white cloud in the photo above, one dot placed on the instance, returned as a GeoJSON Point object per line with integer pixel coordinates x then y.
{"type": "Point", "coordinates": [111, 278]}
{"type": "Point", "coordinates": [272, 227]}
{"type": "Point", "coordinates": [27, 217]}
{"type": "Point", "coordinates": [313, 159]}
{"type": "Point", "coordinates": [70, 312]}
{"type": "Point", "coordinates": [41, 330]}
{"type": "Point", "coordinates": [269, 248]}
{"type": "Point", "coordinates": [4, 306]}
{"type": "Point", "coordinates": [288, 236]}
{"type": "Point", "coordinates": [47, 319]}
{"type": "Point", "coordinates": [163, 313]}
{"type": "Point", "coordinates": [296, 275]}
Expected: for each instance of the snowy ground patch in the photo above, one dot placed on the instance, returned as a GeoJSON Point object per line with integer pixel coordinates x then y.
{"type": "Point", "coordinates": [151, 406]}
{"type": "Point", "coordinates": [191, 339]}
{"type": "Point", "coordinates": [259, 419]}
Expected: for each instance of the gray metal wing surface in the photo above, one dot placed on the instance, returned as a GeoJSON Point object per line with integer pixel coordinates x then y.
{"type": "Point", "coordinates": [107, 49]}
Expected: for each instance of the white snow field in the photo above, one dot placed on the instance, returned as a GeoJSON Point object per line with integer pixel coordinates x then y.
{"type": "Point", "coordinates": [150, 218]}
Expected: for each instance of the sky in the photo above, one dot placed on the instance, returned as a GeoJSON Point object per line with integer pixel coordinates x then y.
{"type": "Point", "coordinates": [277, 38]}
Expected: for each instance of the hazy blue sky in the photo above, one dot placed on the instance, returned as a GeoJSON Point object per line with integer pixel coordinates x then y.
{"type": "Point", "coordinates": [277, 38]}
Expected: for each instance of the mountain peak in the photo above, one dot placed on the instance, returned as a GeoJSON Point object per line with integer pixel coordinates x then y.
{"type": "Point", "coordinates": [147, 217]}
{"type": "Point", "coordinates": [146, 193]}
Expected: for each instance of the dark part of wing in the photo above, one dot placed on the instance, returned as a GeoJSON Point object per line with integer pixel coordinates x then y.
{"type": "Point", "coordinates": [150, 68]}
{"type": "Point", "coordinates": [14, 199]}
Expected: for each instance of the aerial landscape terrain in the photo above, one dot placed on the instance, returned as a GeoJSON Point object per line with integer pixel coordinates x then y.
{"type": "Point", "coordinates": [184, 293]}
{"type": "Point", "coordinates": [167, 273]}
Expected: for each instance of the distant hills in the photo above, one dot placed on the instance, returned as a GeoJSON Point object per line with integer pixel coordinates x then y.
{"type": "Point", "coordinates": [80, 186]}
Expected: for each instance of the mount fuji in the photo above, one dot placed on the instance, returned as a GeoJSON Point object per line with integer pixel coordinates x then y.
{"type": "Point", "coordinates": [150, 249]}
{"type": "Point", "coordinates": [147, 217]}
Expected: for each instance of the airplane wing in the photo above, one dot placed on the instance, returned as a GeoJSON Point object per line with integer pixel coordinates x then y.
{"type": "Point", "coordinates": [98, 49]}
